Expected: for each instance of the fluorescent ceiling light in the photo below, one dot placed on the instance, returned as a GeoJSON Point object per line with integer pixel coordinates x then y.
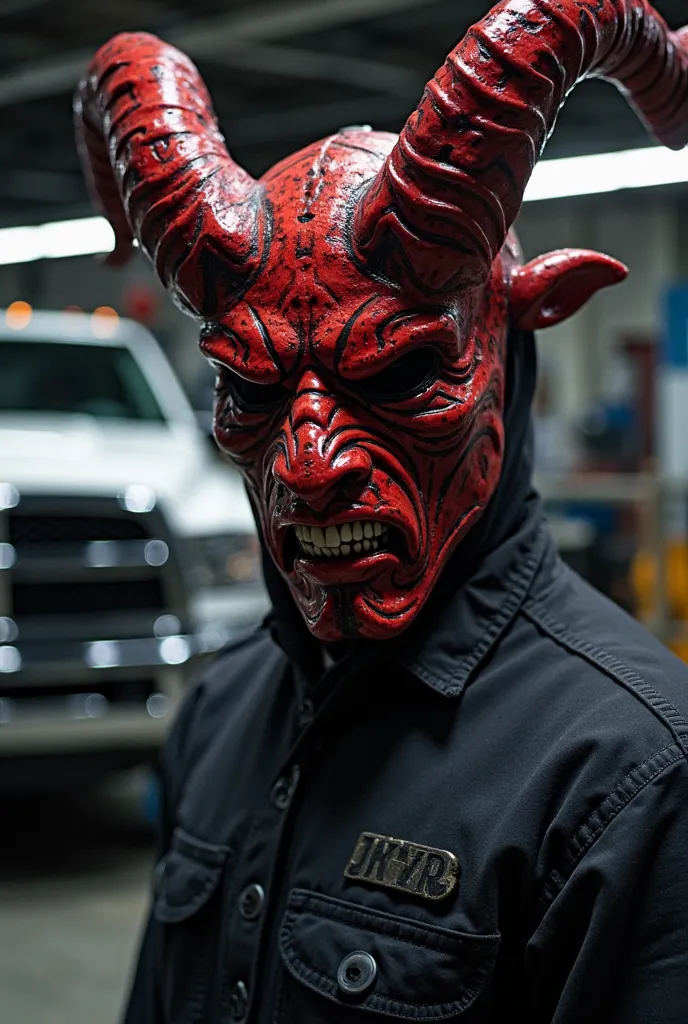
{"type": "Point", "coordinates": [607, 172]}
{"type": "Point", "coordinates": [81, 237]}
{"type": "Point", "coordinates": [552, 179]}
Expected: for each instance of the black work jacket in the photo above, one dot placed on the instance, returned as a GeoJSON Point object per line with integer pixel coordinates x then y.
{"type": "Point", "coordinates": [485, 826]}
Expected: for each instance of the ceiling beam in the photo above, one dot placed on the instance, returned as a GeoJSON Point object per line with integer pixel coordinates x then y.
{"type": "Point", "coordinates": [308, 123]}
{"type": "Point", "coordinates": [40, 186]}
{"type": "Point", "coordinates": [9, 7]}
{"type": "Point", "coordinates": [265, 22]}
{"type": "Point", "coordinates": [213, 38]}
{"type": "Point", "coordinates": [357, 72]}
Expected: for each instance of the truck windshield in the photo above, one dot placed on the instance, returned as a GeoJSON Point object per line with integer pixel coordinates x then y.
{"type": "Point", "coordinates": [95, 380]}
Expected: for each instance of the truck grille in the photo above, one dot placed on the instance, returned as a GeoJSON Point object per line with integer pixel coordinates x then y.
{"type": "Point", "coordinates": [119, 691]}
{"type": "Point", "coordinates": [51, 530]}
{"type": "Point", "coordinates": [76, 598]}
{"type": "Point", "coordinates": [83, 572]}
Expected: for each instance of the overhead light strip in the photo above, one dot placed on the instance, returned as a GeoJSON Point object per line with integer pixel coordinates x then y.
{"type": "Point", "coordinates": [607, 172]}
{"type": "Point", "coordinates": [552, 179]}
{"type": "Point", "coordinates": [81, 237]}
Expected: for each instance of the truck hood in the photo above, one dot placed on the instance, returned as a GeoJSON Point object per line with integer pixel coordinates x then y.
{"type": "Point", "coordinates": [62, 455]}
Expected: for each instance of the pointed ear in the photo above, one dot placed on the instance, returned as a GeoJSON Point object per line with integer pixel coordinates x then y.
{"type": "Point", "coordinates": [553, 287]}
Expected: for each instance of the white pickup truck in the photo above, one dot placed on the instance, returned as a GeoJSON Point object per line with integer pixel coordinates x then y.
{"type": "Point", "coordinates": [127, 547]}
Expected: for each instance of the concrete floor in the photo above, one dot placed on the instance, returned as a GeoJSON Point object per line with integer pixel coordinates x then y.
{"type": "Point", "coordinates": [73, 891]}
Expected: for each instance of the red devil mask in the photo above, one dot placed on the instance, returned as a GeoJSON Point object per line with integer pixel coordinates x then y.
{"type": "Point", "coordinates": [356, 300]}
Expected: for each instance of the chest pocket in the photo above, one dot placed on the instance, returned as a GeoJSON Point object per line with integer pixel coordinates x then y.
{"type": "Point", "coordinates": [344, 962]}
{"type": "Point", "coordinates": [187, 905]}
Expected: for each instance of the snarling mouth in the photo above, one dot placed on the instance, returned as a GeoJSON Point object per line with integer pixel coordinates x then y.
{"type": "Point", "coordinates": [363, 537]}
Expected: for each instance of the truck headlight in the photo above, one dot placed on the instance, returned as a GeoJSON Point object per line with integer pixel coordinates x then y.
{"type": "Point", "coordinates": [225, 560]}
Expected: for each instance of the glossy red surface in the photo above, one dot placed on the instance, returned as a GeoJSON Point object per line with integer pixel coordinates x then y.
{"type": "Point", "coordinates": [356, 300]}
{"type": "Point", "coordinates": [438, 211]}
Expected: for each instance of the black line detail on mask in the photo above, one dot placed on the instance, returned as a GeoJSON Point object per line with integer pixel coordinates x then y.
{"type": "Point", "coordinates": [454, 538]}
{"type": "Point", "coordinates": [280, 445]}
{"type": "Point", "coordinates": [376, 445]}
{"type": "Point", "coordinates": [346, 619]}
{"type": "Point", "coordinates": [451, 541]}
{"type": "Point", "coordinates": [367, 436]}
{"type": "Point", "coordinates": [236, 340]}
{"type": "Point", "coordinates": [486, 432]}
{"type": "Point", "coordinates": [390, 616]}
{"type": "Point", "coordinates": [267, 341]}
{"type": "Point", "coordinates": [320, 393]}
{"type": "Point", "coordinates": [419, 444]}
{"type": "Point", "coordinates": [325, 286]}
{"type": "Point", "coordinates": [285, 291]}
{"type": "Point", "coordinates": [384, 324]}
{"type": "Point", "coordinates": [346, 330]}
{"type": "Point", "coordinates": [302, 340]}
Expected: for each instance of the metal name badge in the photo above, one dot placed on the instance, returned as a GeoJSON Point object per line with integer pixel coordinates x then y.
{"type": "Point", "coordinates": [410, 867]}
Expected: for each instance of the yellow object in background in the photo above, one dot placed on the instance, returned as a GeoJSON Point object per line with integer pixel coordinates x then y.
{"type": "Point", "coordinates": [644, 581]}
{"type": "Point", "coordinates": [680, 649]}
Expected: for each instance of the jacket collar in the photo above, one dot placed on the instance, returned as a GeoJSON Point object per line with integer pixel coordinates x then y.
{"type": "Point", "coordinates": [467, 626]}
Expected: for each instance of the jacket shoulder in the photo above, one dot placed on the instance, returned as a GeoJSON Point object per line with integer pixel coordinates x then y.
{"type": "Point", "coordinates": [618, 661]}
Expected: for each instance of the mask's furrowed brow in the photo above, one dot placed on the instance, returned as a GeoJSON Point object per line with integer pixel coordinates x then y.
{"type": "Point", "coordinates": [373, 346]}
{"type": "Point", "coordinates": [246, 349]}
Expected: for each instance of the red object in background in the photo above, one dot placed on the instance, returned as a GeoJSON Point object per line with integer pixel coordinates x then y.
{"type": "Point", "coordinates": [140, 302]}
{"type": "Point", "coordinates": [357, 299]}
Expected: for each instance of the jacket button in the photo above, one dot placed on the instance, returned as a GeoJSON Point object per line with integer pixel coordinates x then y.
{"type": "Point", "coordinates": [356, 973]}
{"type": "Point", "coordinates": [251, 901]}
{"type": "Point", "coordinates": [306, 712]}
{"type": "Point", "coordinates": [281, 793]}
{"type": "Point", "coordinates": [238, 1001]}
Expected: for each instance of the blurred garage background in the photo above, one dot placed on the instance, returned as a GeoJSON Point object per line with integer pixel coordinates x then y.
{"type": "Point", "coordinates": [126, 546]}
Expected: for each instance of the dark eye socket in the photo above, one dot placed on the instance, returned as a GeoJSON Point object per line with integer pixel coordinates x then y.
{"type": "Point", "coordinates": [407, 376]}
{"type": "Point", "coordinates": [249, 395]}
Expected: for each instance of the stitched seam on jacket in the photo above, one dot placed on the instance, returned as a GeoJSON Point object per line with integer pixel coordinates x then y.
{"type": "Point", "coordinates": [482, 942]}
{"type": "Point", "coordinates": [644, 691]}
{"type": "Point", "coordinates": [585, 837]}
{"type": "Point", "coordinates": [399, 1007]}
{"type": "Point", "coordinates": [197, 849]}
{"type": "Point", "coordinates": [518, 586]}
{"type": "Point", "coordinates": [302, 899]}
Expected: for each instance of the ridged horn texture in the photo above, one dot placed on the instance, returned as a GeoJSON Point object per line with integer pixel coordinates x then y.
{"type": "Point", "coordinates": [158, 168]}
{"type": "Point", "coordinates": [438, 211]}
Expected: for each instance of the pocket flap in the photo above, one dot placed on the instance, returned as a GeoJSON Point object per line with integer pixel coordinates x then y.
{"type": "Point", "coordinates": [423, 970]}
{"type": "Point", "coordinates": [186, 877]}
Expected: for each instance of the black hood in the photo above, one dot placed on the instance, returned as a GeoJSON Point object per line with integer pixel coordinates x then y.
{"type": "Point", "coordinates": [511, 503]}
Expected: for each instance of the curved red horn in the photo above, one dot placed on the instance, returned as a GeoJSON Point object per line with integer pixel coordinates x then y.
{"type": "Point", "coordinates": [158, 168]}
{"type": "Point", "coordinates": [439, 209]}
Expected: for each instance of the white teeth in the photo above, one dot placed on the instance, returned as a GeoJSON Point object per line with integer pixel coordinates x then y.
{"type": "Point", "coordinates": [332, 537]}
{"type": "Point", "coordinates": [317, 536]}
{"type": "Point", "coordinates": [336, 541]}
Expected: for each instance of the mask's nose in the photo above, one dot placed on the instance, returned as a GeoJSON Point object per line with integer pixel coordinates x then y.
{"type": "Point", "coordinates": [319, 463]}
